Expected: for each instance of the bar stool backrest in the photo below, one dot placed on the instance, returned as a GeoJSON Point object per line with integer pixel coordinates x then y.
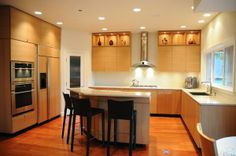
{"type": "Point", "coordinates": [67, 99]}
{"type": "Point", "coordinates": [81, 106]}
{"type": "Point", "coordinates": [120, 109]}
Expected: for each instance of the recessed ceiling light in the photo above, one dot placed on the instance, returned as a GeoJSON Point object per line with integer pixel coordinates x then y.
{"type": "Point", "coordinates": [201, 21]}
{"type": "Point", "coordinates": [183, 26]}
{"type": "Point", "coordinates": [142, 27]}
{"type": "Point", "coordinates": [192, 7]}
{"type": "Point", "coordinates": [136, 9]}
{"type": "Point", "coordinates": [59, 23]}
{"type": "Point", "coordinates": [206, 15]}
{"type": "Point", "coordinates": [104, 29]}
{"type": "Point", "coordinates": [38, 12]}
{"type": "Point", "coordinates": [101, 18]}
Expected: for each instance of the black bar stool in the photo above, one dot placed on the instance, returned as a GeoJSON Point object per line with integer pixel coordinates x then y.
{"type": "Point", "coordinates": [122, 110]}
{"type": "Point", "coordinates": [83, 108]}
{"type": "Point", "coordinates": [68, 105]}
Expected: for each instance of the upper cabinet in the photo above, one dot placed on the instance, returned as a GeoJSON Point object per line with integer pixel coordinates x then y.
{"type": "Point", "coordinates": [190, 37]}
{"type": "Point", "coordinates": [27, 28]}
{"type": "Point", "coordinates": [178, 51]}
{"type": "Point", "coordinates": [112, 39]}
{"type": "Point", "coordinates": [111, 52]}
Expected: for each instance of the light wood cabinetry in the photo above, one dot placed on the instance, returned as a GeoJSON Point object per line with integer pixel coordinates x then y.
{"type": "Point", "coordinates": [23, 51]}
{"type": "Point", "coordinates": [178, 51]}
{"type": "Point", "coordinates": [24, 27]}
{"type": "Point", "coordinates": [168, 102]}
{"type": "Point", "coordinates": [111, 52]}
{"type": "Point", "coordinates": [190, 112]}
{"type": "Point", "coordinates": [23, 121]}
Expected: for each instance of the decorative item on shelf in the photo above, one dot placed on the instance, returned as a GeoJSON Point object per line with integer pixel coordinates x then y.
{"type": "Point", "coordinates": [110, 42]}
{"type": "Point", "coordinates": [191, 41]}
{"type": "Point", "coordinates": [123, 42]}
{"type": "Point", "coordinates": [164, 41]}
{"type": "Point", "coordinates": [99, 42]}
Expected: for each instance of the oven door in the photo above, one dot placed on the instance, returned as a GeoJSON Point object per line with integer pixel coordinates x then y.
{"type": "Point", "coordinates": [23, 98]}
{"type": "Point", "coordinates": [22, 71]}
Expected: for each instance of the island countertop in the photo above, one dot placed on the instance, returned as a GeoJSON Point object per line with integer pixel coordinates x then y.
{"type": "Point", "coordinates": [111, 93]}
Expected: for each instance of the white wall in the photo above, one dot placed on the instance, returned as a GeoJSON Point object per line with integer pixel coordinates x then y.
{"type": "Point", "coordinates": [220, 29]}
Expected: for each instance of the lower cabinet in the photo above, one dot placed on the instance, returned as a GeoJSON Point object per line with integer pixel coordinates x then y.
{"type": "Point", "coordinates": [190, 112]}
{"type": "Point", "coordinates": [23, 121]}
{"type": "Point", "coordinates": [168, 101]}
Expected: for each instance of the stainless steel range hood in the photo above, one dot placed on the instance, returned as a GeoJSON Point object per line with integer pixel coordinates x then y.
{"type": "Point", "coordinates": [144, 52]}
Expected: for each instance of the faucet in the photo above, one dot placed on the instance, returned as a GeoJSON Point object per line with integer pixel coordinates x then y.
{"type": "Point", "coordinates": [209, 86]}
{"type": "Point", "coordinates": [135, 83]}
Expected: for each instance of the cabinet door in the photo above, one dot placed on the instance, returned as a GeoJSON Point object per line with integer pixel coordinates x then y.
{"type": "Point", "coordinates": [42, 93]}
{"type": "Point", "coordinates": [168, 102]}
{"type": "Point", "coordinates": [54, 87]}
{"type": "Point", "coordinates": [19, 25]}
{"type": "Point", "coordinates": [193, 55]}
{"type": "Point", "coordinates": [123, 59]}
{"type": "Point", "coordinates": [50, 35]}
{"type": "Point", "coordinates": [109, 58]}
{"type": "Point", "coordinates": [23, 51]}
{"type": "Point", "coordinates": [98, 63]}
{"type": "Point", "coordinates": [164, 58]}
{"type": "Point", "coordinates": [179, 58]}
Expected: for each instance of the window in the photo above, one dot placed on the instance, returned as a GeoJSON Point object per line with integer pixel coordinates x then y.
{"type": "Point", "coordinates": [220, 66]}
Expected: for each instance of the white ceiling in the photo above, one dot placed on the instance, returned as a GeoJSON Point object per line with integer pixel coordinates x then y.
{"type": "Point", "coordinates": [155, 14]}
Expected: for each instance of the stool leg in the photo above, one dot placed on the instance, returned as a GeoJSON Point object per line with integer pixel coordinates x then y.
{"type": "Point", "coordinates": [108, 136]}
{"type": "Point", "coordinates": [73, 132]}
{"type": "Point", "coordinates": [81, 124]}
{"type": "Point", "coordinates": [135, 122]}
{"type": "Point", "coordinates": [64, 121]}
{"type": "Point", "coordinates": [69, 126]}
{"type": "Point", "coordinates": [130, 137]}
{"type": "Point", "coordinates": [88, 134]}
{"type": "Point", "coordinates": [103, 128]}
{"type": "Point", "coordinates": [115, 131]}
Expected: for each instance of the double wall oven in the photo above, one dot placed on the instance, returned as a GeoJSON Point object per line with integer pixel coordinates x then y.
{"type": "Point", "coordinates": [22, 86]}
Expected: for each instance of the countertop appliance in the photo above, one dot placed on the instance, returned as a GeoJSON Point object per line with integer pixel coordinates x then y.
{"type": "Point", "coordinates": [190, 82]}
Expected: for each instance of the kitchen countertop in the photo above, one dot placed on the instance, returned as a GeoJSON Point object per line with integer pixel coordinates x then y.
{"type": "Point", "coordinates": [218, 100]}
{"type": "Point", "coordinates": [115, 93]}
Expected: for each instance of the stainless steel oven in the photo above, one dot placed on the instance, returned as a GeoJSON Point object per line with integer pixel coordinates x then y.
{"type": "Point", "coordinates": [23, 97]}
{"type": "Point", "coordinates": [22, 71]}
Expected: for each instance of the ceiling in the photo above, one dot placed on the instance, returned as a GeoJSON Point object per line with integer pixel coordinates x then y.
{"type": "Point", "coordinates": [155, 14]}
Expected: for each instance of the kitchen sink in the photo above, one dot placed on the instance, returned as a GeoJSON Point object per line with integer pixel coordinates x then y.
{"type": "Point", "coordinates": [200, 93]}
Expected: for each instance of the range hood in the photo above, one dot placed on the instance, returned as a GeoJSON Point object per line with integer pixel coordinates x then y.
{"type": "Point", "coordinates": [144, 52]}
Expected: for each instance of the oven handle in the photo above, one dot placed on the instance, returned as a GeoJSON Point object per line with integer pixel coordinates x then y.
{"type": "Point", "coordinates": [23, 92]}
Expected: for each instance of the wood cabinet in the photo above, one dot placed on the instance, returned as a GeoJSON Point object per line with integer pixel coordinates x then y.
{"type": "Point", "coordinates": [111, 52]}
{"type": "Point", "coordinates": [178, 51]}
{"type": "Point", "coordinates": [190, 112]}
{"type": "Point", "coordinates": [168, 101]}
{"type": "Point", "coordinates": [24, 27]}
{"type": "Point", "coordinates": [49, 98]}
{"type": "Point", "coordinates": [23, 121]}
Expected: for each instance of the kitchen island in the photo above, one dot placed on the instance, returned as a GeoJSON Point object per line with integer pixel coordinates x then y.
{"type": "Point", "coordinates": [98, 98]}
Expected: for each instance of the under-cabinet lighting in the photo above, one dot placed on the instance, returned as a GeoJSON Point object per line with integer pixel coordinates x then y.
{"type": "Point", "coordinates": [136, 9]}
{"type": "Point", "coordinates": [183, 26]}
{"type": "Point", "coordinates": [38, 12]}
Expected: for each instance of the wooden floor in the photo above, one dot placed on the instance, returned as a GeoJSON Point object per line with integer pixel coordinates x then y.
{"type": "Point", "coordinates": [167, 137]}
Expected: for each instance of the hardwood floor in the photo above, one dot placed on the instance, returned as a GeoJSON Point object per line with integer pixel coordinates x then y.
{"type": "Point", "coordinates": [167, 137]}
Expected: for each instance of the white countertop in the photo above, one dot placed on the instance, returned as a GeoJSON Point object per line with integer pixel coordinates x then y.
{"type": "Point", "coordinates": [202, 100]}
{"type": "Point", "coordinates": [111, 93]}
{"type": "Point", "coordinates": [226, 146]}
